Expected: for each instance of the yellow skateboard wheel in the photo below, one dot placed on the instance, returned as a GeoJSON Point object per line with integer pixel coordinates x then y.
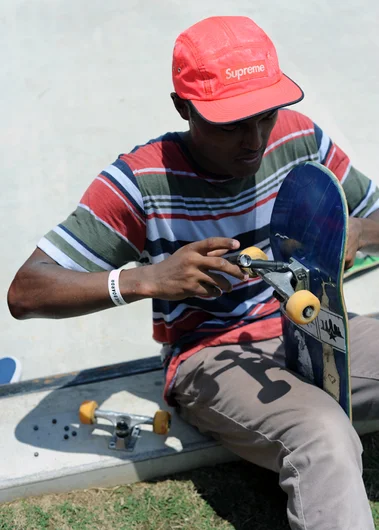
{"type": "Point", "coordinates": [87, 412]}
{"type": "Point", "coordinates": [254, 253]}
{"type": "Point", "coordinates": [161, 422]}
{"type": "Point", "coordinates": [303, 307]}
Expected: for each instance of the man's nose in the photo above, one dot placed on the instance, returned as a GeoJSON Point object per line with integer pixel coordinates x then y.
{"type": "Point", "coordinates": [252, 138]}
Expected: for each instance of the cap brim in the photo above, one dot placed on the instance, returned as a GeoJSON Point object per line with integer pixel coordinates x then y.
{"type": "Point", "coordinates": [284, 93]}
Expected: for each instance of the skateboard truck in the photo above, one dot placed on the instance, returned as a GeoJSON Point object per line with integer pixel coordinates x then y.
{"type": "Point", "coordinates": [289, 280]}
{"type": "Point", "coordinates": [285, 278]}
{"type": "Point", "coordinates": [126, 430]}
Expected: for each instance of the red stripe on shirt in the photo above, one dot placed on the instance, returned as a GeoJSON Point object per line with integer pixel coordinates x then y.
{"type": "Point", "coordinates": [173, 332]}
{"type": "Point", "coordinates": [211, 217]}
{"type": "Point", "coordinates": [98, 199]}
{"type": "Point", "coordinates": [270, 150]}
{"type": "Point", "coordinates": [339, 163]}
{"type": "Point", "coordinates": [288, 123]}
{"type": "Point", "coordinates": [153, 156]}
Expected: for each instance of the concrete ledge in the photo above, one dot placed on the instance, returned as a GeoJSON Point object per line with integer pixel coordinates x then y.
{"type": "Point", "coordinates": [38, 460]}
{"type": "Point", "coordinates": [157, 465]}
{"type": "Point", "coordinates": [83, 377]}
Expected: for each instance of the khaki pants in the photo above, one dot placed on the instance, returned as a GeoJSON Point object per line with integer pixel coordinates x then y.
{"type": "Point", "coordinates": [244, 397]}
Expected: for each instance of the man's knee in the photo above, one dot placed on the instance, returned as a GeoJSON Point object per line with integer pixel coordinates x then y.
{"type": "Point", "coordinates": [327, 438]}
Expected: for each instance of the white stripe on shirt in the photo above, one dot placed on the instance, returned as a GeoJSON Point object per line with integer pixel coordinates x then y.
{"type": "Point", "coordinates": [57, 255]}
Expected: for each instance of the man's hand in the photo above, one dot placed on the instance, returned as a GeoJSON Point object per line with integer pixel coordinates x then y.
{"type": "Point", "coordinates": [190, 271]}
{"type": "Point", "coordinates": [353, 240]}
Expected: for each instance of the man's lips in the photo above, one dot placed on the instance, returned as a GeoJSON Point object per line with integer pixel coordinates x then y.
{"type": "Point", "coordinates": [250, 157]}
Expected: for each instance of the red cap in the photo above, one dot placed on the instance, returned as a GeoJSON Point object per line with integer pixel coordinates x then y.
{"type": "Point", "coordinates": [228, 68]}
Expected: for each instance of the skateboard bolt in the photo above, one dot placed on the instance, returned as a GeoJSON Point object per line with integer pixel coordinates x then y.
{"type": "Point", "coordinates": [36, 454]}
{"type": "Point", "coordinates": [244, 260]}
{"type": "Point", "coordinates": [66, 428]}
{"type": "Point", "coordinates": [35, 427]}
{"type": "Point", "coordinates": [54, 421]}
{"type": "Point", "coordinates": [74, 433]}
{"type": "Point", "coordinates": [122, 429]}
{"type": "Point", "coordinates": [66, 436]}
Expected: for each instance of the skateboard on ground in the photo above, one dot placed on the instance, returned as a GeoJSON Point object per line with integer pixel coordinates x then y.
{"type": "Point", "coordinates": [126, 430]}
{"type": "Point", "coordinates": [362, 263]}
{"type": "Point", "coordinates": [308, 233]}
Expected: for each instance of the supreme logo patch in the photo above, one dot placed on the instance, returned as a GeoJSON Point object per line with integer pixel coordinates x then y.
{"type": "Point", "coordinates": [242, 73]}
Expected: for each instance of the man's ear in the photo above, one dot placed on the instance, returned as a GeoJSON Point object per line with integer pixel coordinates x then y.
{"type": "Point", "coordinates": [181, 106]}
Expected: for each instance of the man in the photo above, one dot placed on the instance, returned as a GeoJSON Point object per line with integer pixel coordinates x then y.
{"type": "Point", "coordinates": [179, 205]}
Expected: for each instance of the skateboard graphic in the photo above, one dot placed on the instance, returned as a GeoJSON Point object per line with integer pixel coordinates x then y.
{"type": "Point", "coordinates": [308, 233]}
{"type": "Point", "coordinates": [126, 430]}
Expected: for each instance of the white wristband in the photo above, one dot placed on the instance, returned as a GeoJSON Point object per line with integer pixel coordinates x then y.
{"type": "Point", "coordinates": [114, 288]}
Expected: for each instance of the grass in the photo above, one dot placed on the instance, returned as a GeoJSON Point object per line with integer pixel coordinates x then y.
{"type": "Point", "coordinates": [236, 496]}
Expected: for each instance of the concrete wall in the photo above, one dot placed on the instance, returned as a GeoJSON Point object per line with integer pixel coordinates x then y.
{"type": "Point", "coordinates": [84, 81]}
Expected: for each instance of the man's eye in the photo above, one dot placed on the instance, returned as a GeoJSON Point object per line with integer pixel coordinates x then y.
{"type": "Point", "coordinates": [229, 128]}
{"type": "Point", "coordinates": [271, 115]}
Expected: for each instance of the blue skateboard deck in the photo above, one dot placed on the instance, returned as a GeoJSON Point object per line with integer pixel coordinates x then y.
{"type": "Point", "coordinates": [309, 224]}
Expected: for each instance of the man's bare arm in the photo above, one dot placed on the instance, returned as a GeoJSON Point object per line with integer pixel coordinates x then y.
{"type": "Point", "coordinates": [42, 288]}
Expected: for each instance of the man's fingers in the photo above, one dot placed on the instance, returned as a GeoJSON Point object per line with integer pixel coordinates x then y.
{"type": "Point", "coordinates": [211, 291]}
{"type": "Point", "coordinates": [218, 253]}
{"type": "Point", "coordinates": [215, 243]}
{"type": "Point", "coordinates": [223, 265]}
{"type": "Point", "coordinates": [349, 262]}
{"type": "Point", "coordinates": [212, 284]}
{"type": "Point", "coordinates": [220, 281]}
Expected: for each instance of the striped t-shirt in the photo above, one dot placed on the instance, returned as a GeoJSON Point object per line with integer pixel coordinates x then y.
{"type": "Point", "coordinates": [152, 201]}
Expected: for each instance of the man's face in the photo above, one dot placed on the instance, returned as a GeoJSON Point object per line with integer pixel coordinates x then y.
{"type": "Point", "coordinates": [234, 149]}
